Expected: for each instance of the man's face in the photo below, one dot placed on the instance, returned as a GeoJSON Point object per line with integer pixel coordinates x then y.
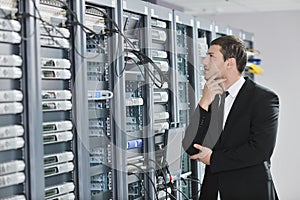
{"type": "Point", "coordinates": [214, 62]}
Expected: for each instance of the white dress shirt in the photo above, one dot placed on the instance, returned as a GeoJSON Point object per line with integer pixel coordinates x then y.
{"type": "Point", "coordinates": [233, 91]}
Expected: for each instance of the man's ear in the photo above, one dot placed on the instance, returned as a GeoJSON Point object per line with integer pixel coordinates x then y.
{"type": "Point", "coordinates": [231, 62]}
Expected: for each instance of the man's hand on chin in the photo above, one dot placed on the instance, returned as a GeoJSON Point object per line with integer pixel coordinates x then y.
{"type": "Point", "coordinates": [203, 155]}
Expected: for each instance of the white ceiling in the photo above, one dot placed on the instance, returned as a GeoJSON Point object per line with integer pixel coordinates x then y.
{"type": "Point", "coordinates": [203, 7]}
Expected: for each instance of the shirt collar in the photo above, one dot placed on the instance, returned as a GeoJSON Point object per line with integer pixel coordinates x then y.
{"type": "Point", "coordinates": [235, 88]}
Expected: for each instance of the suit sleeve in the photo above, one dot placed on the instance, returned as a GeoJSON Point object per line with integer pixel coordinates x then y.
{"type": "Point", "coordinates": [196, 130]}
{"type": "Point", "coordinates": [260, 143]}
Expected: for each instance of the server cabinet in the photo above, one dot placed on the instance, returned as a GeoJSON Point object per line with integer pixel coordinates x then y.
{"type": "Point", "coordinates": [164, 99]}
{"type": "Point", "coordinates": [204, 33]}
{"type": "Point", "coordinates": [185, 44]}
{"type": "Point", "coordinates": [98, 21]}
{"type": "Point", "coordinates": [13, 130]}
{"type": "Point", "coordinates": [137, 73]}
{"type": "Point", "coordinates": [57, 76]}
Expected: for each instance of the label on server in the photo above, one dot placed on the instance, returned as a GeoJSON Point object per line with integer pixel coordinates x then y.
{"type": "Point", "coordinates": [12, 179]}
{"type": "Point", "coordinates": [11, 131]}
{"type": "Point", "coordinates": [10, 60]}
{"type": "Point", "coordinates": [59, 189]}
{"type": "Point", "coordinates": [133, 144]}
{"type": "Point", "coordinates": [100, 95]}
{"type": "Point", "coordinates": [10, 95]}
{"type": "Point", "coordinates": [58, 158]}
{"type": "Point", "coordinates": [57, 137]}
{"type": "Point", "coordinates": [10, 72]}
{"type": "Point", "coordinates": [10, 37]}
{"type": "Point", "coordinates": [56, 63]}
{"type": "Point", "coordinates": [56, 94]}
{"type": "Point", "coordinates": [11, 108]}
{"type": "Point", "coordinates": [11, 143]}
{"type": "Point", "coordinates": [12, 167]}
{"type": "Point", "coordinates": [56, 74]}
{"type": "Point", "coordinates": [57, 126]}
{"type": "Point", "coordinates": [58, 169]}
{"type": "Point", "coordinates": [56, 105]}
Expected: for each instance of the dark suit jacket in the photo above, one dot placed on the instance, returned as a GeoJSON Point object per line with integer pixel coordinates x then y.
{"type": "Point", "coordinates": [236, 167]}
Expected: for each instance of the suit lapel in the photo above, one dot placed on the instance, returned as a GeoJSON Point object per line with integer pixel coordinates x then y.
{"type": "Point", "coordinates": [241, 102]}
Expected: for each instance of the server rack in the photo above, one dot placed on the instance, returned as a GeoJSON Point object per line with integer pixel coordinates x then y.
{"type": "Point", "coordinates": [135, 72]}
{"type": "Point", "coordinates": [14, 174]}
{"type": "Point", "coordinates": [57, 76]}
{"type": "Point", "coordinates": [185, 61]}
{"type": "Point", "coordinates": [204, 33]}
{"type": "Point", "coordinates": [99, 61]}
{"type": "Point", "coordinates": [164, 98]}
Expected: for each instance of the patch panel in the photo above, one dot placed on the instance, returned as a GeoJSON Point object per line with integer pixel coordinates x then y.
{"type": "Point", "coordinates": [51, 138]}
{"type": "Point", "coordinates": [55, 63]}
{"type": "Point", "coordinates": [52, 14]}
{"type": "Point", "coordinates": [54, 31]}
{"type": "Point", "coordinates": [56, 190]}
{"type": "Point", "coordinates": [58, 169]}
{"type": "Point", "coordinates": [159, 54]}
{"type": "Point", "coordinates": [58, 158]}
{"type": "Point", "coordinates": [158, 23]}
{"type": "Point", "coordinates": [56, 95]}
{"type": "Point", "coordinates": [55, 126]}
{"type": "Point", "coordinates": [55, 74]}
{"type": "Point", "coordinates": [159, 35]}
{"type": "Point", "coordinates": [48, 41]}
{"type": "Point", "coordinates": [160, 97]}
{"type": "Point", "coordinates": [56, 105]}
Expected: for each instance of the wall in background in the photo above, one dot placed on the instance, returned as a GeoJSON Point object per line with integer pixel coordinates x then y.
{"type": "Point", "coordinates": [277, 38]}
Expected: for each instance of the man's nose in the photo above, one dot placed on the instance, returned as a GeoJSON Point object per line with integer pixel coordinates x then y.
{"type": "Point", "coordinates": [205, 60]}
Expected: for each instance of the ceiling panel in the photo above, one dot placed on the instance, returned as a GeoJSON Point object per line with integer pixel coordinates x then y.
{"type": "Point", "coordinates": [201, 7]}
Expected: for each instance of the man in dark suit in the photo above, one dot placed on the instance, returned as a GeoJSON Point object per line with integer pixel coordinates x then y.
{"type": "Point", "coordinates": [238, 161]}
